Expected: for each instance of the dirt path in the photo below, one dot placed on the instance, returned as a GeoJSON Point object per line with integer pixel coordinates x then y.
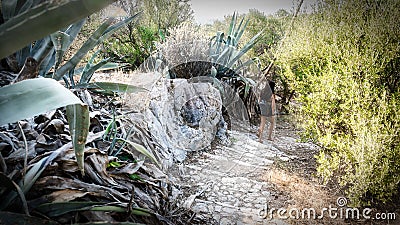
{"type": "Point", "coordinates": [230, 184]}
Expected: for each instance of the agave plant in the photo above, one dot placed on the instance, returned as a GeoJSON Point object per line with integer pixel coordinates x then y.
{"type": "Point", "coordinates": [226, 62]}
{"type": "Point", "coordinates": [33, 14]}
{"type": "Point", "coordinates": [63, 40]}
{"type": "Point", "coordinates": [49, 51]}
{"type": "Point", "coordinates": [224, 49]}
{"type": "Point", "coordinates": [226, 58]}
{"type": "Point", "coordinates": [32, 97]}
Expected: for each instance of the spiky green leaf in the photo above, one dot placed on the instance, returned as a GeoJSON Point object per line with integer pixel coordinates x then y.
{"type": "Point", "coordinates": [93, 40]}
{"type": "Point", "coordinates": [142, 150]}
{"type": "Point", "coordinates": [42, 20]}
{"type": "Point", "coordinates": [110, 88]}
{"type": "Point", "coordinates": [79, 121]}
{"type": "Point", "coordinates": [32, 97]}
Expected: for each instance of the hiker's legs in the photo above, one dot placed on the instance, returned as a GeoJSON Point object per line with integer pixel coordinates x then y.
{"type": "Point", "coordinates": [263, 121]}
{"type": "Point", "coordinates": [271, 121]}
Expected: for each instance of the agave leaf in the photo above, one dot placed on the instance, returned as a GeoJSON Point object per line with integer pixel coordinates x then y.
{"type": "Point", "coordinates": [240, 33]}
{"type": "Point", "coordinates": [216, 42]}
{"type": "Point", "coordinates": [60, 208]}
{"type": "Point", "coordinates": [85, 48]}
{"type": "Point", "coordinates": [232, 24]}
{"type": "Point", "coordinates": [33, 97]}
{"type": "Point", "coordinates": [142, 150]}
{"type": "Point", "coordinates": [74, 29]}
{"type": "Point", "coordinates": [27, 5]}
{"type": "Point", "coordinates": [86, 75]}
{"type": "Point", "coordinates": [248, 84]}
{"type": "Point", "coordinates": [90, 62]}
{"type": "Point", "coordinates": [238, 29]}
{"type": "Point", "coordinates": [102, 33]}
{"type": "Point", "coordinates": [22, 54]}
{"type": "Point", "coordinates": [43, 19]}
{"type": "Point", "coordinates": [107, 66]}
{"type": "Point", "coordinates": [141, 212]}
{"type": "Point", "coordinates": [42, 51]}
{"type": "Point", "coordinates": [8, 8]}
{"type": "Point", "coordinates": [109, 88]}
{"type": "Point", "coordinates": [244, 65]}
{"type": "Point", "coordinates": [109, 208]}
{"type": "Point", "coordinates": [224, 57]}
{"type": "Point", "coordinates": [112, 66]}
{"type": "Point", "coordinates": [79, 121]}
{"type": "Point", "coordinates": [60, 41]}
{"type": "Point", "coordinates": [48, 63]}
{"type": "Point", "coordinates": [92, 69]}
{"type": "Point", "coordinates": [228, 42]}
{"type": "Point", "coordinates": [245, 49]}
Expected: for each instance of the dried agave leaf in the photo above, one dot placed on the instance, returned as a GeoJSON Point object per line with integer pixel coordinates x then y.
{"type": "Point", "coordinates": [37, 168]}
{"type": "Point", "coordinates": [144, 151]}
{"type": "Point", "coordinates": [5, 140]}
{"type": "Point", "coordinates": [16, 218]}
{"type": "Point", "coordinates": [129, 168]}
{"type": "Point", "coordinates": [18, 154]}
{"type": "Point", "coordinates": [69, 166]}
{"type": "Point", "coordinates": [56, 124]}
{"type": "Point", "coordinates": [65, 195]}
{"type": "Point", "coordinates": [96, 167]}
{"type": "Point", "coordinates": [154, 171]}
{"type": "Point", "coordinates": [146, 200]}
{"type": "Point", "coordinates": [60, 183]}
{"type": "Point", "coordinates": [98, 216]}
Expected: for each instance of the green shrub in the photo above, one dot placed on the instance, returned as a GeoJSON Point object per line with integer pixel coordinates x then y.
{"type": "Point", "coordinates": [132, 46]}
{"type": "Point", "coordinates": [343, 62]}
{"type": "Point", "coordinates": [137, 42]}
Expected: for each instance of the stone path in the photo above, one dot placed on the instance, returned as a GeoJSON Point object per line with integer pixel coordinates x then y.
{"type": "Point", "coordinates": [228, 180]}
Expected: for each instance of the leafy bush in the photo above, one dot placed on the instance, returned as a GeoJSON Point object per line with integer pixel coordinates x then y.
{"type": "Point", "coordinates": [343, 62]}
{"type": "Point", "coordinates": [136, 43]}
{"type": "Point", "coordinates": [132, 46]}
{"type": "Point", "coordinates": [185, 43]}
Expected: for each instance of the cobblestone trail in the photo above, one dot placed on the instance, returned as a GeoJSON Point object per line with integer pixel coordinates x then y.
{"type": "Point", "coordinates": [228, 179]}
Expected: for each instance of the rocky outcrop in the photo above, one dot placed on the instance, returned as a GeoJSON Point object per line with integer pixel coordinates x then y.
{"type": "Point", "coordinates": [184, 116]}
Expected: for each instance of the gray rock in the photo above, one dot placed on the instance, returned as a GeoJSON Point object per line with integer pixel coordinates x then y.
{"type": "Point", "coordinates": [184, 116]}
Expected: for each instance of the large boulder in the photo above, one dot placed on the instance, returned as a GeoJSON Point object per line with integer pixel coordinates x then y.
{"type": "Point", "coordinates": [184, 116]}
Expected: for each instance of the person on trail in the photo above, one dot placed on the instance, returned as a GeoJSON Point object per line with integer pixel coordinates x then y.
{"type": "Point", "coordinates": [266, 101]}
